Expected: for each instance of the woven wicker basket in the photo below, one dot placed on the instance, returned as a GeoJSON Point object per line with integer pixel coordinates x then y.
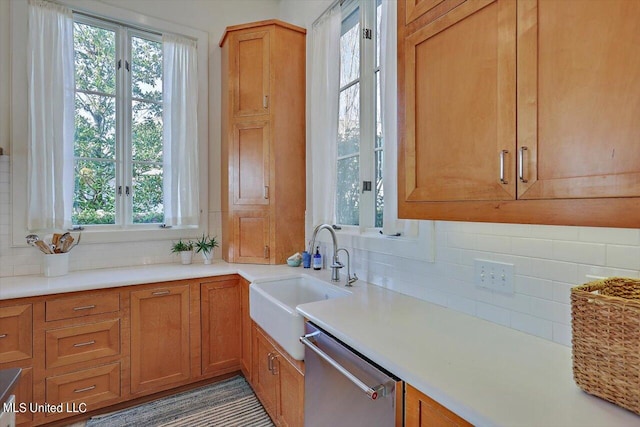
{"type": "Point", "coordinates": [606, 340]}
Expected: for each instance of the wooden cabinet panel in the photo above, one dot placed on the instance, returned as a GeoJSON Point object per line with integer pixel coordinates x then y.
{"type": "Point", "coordinates": [422, 411]}
{"type": "Point", "coordinates": [250, 73]}
{"type": "Point", "coordinates": [291, 395]}
{"type": "Point", "coordinates": [462, 117]}
{"type": "Point", "coordinates": [245, 362]}
{"type": "Point", "coordinates": [263, 379]}
{"type": "Point", "coordinates": [221, 326]}
{"type": "Point", "coordinates": [83, 305]}
{"type": "Point", "coordinates": [160, 346]}
{"type": "Point", "coordinates": [16, 333]}
{"type": "Point", "coordinates": [250, 152]}
{"type": "Point", "coordinates": [91, 386]}
{"type": "Point", "coordinates": [67, 346]}
{"type": "Point", "coordinates": [578, 110]}
{"type": "Point", "coordinates": [251, 237]}
{"type": "Point", "coordinates": [277, 381]}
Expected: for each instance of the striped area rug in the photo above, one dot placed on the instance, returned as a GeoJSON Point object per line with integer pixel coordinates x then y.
{"type": "Point", "coordinates": [227, 403]}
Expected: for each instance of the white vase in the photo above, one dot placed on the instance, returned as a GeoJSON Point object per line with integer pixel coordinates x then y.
{"type": "Point", "coordinates": [185, 257]}
{"type": "Point", "coordinates": [206, 257]}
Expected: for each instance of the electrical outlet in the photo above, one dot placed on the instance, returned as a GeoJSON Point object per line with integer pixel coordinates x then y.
{"type": "Point", "coordinates": [497, 276]}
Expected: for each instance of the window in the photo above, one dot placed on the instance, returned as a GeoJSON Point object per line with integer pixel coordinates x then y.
{"type": "Point", "coordinates": [360, 156]}
{"type": "Point", "coordinates": [118, 146]}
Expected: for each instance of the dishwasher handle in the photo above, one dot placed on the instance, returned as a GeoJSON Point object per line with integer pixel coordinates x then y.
{"type": "Point", "coordinates": [372, 392]}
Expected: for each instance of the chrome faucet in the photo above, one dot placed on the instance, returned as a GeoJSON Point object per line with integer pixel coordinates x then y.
{"type": "Point", "coordinates": [350, 278]}
{"type": "Point", "coordinates": [335, 264]}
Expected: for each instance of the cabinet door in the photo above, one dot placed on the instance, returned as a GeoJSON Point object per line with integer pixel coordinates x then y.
{"type": "Point", "coordinates": [24, 396]}
{"type": "Point", "coordinates": [249, 73]}
{"type": "Point", "coordinates": [250, 166]}
{"type": "Point", "coordinates": [251, 237]}
{"type": "Point", "coordinates": [432, 9]}
{"type": "Point", "coordinates": [16, 333]}
{"type": "Point", "coordinates": [221, 326]}
{"type": "Point", "coordinates": [422, 411]}
{"type": "Point", "coordinates": [246, 329]}
{"type": "Point", "coordinates": [458, 137]}
{"type": "Point", "coordinates": [290, 393]}
{"type": "Point", "coordinates": [159, 337]}
{"type": "Point", "coordinates": [578, 103]}
{"type": "Point", "coordinates": [264, 380]}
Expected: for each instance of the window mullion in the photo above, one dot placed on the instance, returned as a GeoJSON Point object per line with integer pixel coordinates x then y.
{"type": "Point", "coordinates": [367, 114]}
{"type": "Point", "coordinates": [126, 142]}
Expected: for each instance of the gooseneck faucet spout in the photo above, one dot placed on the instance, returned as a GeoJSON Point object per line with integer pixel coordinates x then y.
{"type": "Point", "coordinates": [336, 264]}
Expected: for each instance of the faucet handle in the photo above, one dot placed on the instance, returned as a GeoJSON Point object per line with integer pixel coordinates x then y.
{"type": "Point", "coordinates": [352, 279]}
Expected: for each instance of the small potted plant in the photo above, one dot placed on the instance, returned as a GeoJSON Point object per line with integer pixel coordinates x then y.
{"type": "Point", "coordinates": [204, 246]}
{"type": "Point", "coordinates": [185, 249]}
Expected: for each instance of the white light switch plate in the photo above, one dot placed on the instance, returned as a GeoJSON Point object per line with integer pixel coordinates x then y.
{"type": "Point", "coordinates": [497, 276]}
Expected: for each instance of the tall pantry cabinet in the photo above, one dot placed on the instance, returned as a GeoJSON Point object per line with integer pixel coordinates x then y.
{"type": "Point", "coordinates": [263, 142]}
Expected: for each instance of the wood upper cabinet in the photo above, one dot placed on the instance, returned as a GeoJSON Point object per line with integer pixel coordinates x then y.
{"type": "Point", "coordinates": [160, 347]}
{"type": "Point", "coordinates": [460, 122]}
{"type": "Point", "coordinates": [251, 166]}
{"type": "Point", "coordinates": [263, 142]}
{"type": "Point", "coordinates": [220, 308]}
{"type": "Point", "coordinates": [578, 110]}
{"type": "Point", "coordinates": [422, 411]}
{"type": "Point", "coordinates": [249, 68]}
{"type": "Point", "coordinates": [509, 114]}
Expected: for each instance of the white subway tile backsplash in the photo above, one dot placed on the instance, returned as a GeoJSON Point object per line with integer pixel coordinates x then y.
{"type": "Point", "coordinates": [562, 334]}
{"type": "Point", "coordinates": [623, 257]}
{"type": "Point", "coordinates": [535, 248]}
{"type": "Point", "coordinates": [534, 287]}
{"type": "Point", "coordinates": [490, 243]}
{"type": "Point", "coordinates": [620, 236]}
{"type": "Point", "coordinates": [554, 270]}
{"type": "Point", "coordinates": [532, 325]}
{"type": "Point", "coordinates": [493, 314]}
{"type": "Point", "coordinates": [462, 240]}
{"type": "Point", "coordinates": [584, 253]}
{"type": "Point", "coordinates": [554, 232]}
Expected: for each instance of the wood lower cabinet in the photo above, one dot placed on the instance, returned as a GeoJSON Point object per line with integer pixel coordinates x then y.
{"type": "Point", "coordinates": [245, 361]}
{"type": "Point", "coordinates": [221, 315]}
{"type": "Point", "coordinates": [509, 114]}
{"type": "Point", "coordinates": [277, 380]}
{"type": "Point", "coordinates": [263, 142]}
{"type": "Point", "coordinates": [16, 333]}
{"type": "Point", "coordinates": [160, 345]}
{"type": "Point", "coordinates": [422, 411]}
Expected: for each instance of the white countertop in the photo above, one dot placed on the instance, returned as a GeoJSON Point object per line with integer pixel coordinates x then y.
{"type": "Point", "coordinates": [488, 374]}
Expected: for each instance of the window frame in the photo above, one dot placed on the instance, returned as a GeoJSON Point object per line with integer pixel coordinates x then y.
{"type": "Point", "coordinates": [369, 69]}
{"type": "Point", "coordinates": [19, 124]}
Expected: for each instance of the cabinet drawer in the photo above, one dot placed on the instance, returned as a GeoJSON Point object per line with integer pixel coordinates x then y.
{"type": "Point", "coordinates": [15, 333]}
{"type": "Point", "coordinates": [67, 346]}
{"type": "Point", "coordinates": [85, 305]}
{"type": "Point", "coordinates": [90, 386]}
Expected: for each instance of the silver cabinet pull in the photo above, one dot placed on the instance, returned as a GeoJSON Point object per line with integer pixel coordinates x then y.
{"type": "Point", "coordinates": [3, 336]}
{"type": "Point", "coordinates": [521, 164]}
{"type": "Point", "coordinates": [83, 344]}
{"type": "Point", "coordinates": [265, 101]}
{"type": "Point", "coordinates": [270, 362]}
{"type": "Point", "coordinates": [266, 251]}
{"type": "Point", "coordinates": [84, 307]}
{"type": "Point", "coordinates": [82, 390]}
{"type": "Point", "coordinates": [372, 392]}
{"type": "Point", "coordinates": [274, 368]}
{"type": "Point", "coordinates": [502, 179]}
{"type": "Point", "coordinates": [158, 293]}
{"type": "Point", "coordinates": [266, 191]}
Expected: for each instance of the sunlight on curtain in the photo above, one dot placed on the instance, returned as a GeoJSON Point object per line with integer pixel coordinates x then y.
{"type": "Point", "coordinates": [325, 54]}
{"type": "Point", "coordinates": [180, 89]}
{"type": "Point", "coordinates": [51, 114]}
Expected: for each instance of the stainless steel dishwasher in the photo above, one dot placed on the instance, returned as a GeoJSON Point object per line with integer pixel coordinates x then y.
{"type": "Point", "coordinates": [343, 388]}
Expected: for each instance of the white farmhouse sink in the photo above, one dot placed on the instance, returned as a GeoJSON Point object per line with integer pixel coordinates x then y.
{"type": "Point", "coordinates": [272, 305]}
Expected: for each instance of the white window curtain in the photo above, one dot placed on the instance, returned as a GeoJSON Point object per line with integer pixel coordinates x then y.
{"type": "Point", "coordinates": [180, 101]}
{"type": "Point", "coordinates": [389, 100]}
{"type": "Point", "coordinates": [325, 66]}
{"type": "Point", "coordinates": [51, 114]}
